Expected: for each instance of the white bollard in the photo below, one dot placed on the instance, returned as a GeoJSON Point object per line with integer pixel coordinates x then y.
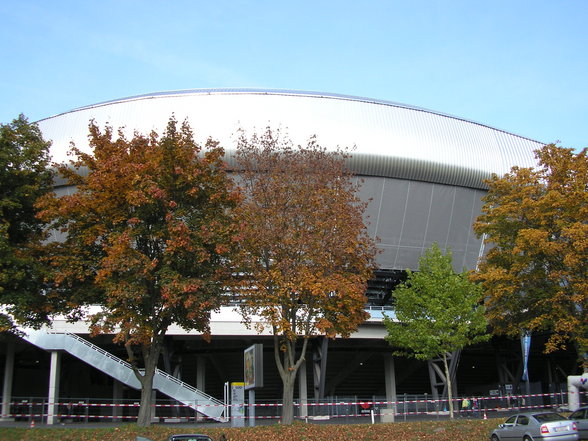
{"type": "Point", "coordinates": [575, 383]}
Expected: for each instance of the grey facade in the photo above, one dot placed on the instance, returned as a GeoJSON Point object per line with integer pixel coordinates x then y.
{"type": "Point", "coordinates": [423, 171]}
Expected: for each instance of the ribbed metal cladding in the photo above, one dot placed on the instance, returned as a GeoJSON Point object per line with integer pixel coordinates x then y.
{"type": "Point", "coordinates": [422, 172]}
{"type": "Point", "coordinates": [391, 139]}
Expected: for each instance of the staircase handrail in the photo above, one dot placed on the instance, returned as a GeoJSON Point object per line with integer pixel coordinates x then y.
{"type": "Point", "coordinates": [128, 365]}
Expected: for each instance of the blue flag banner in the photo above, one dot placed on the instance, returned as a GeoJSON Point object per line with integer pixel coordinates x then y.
{"type": "Point", "coordinates": [525, 346]}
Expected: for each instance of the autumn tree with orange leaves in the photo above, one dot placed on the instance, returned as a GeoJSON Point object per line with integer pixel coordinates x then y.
{"type": "Point", "coordinates": [146, 236]}
{"type": "Point", "coordinates": [535, 277]}
{"type": "Point", "coordinates": [305, 255]}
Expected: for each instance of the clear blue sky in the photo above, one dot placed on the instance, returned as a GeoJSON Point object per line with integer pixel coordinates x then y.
{"type": "Point", "coordinates": [518, 65]}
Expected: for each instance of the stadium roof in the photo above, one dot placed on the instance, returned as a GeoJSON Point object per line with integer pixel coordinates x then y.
{"type": "Point", "coordinates": [390, 139]}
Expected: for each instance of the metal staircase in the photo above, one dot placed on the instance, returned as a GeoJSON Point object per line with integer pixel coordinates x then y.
{"type": "Point", "coordinates": [123, 372]}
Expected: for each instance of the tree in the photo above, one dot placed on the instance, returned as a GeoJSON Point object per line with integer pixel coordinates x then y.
{"type": "Point", "coordinates": [305, 253]}
{"type": "Point", "coordinates": [438, 311]}
{"type": "Point", "coordinates": [535, 276]}
{"type": "Point", "coordinates": [147, 234]}
{"type": "Point", "coordinates": [24, 176]}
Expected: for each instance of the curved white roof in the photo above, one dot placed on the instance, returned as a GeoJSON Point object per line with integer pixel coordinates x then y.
{"type": "Point", "coordinates": [391, 139]}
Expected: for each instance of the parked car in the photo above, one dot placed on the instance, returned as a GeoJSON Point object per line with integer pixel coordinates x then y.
{"type": "Point", "coordinates": [530, 426]}
{"type": "Point", "coordinates": [181, 437]}
{"type": "Point", "coordinates": [580, 416]}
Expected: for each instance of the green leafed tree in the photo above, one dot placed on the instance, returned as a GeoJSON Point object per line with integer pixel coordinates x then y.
{"type": "Point", "coordinates": [146, 236]}
{"type": "Point", "coordinates": [535, 276]}
{"type": "Point", "coordinates": [438, 311]}
{"type": "Point", "coordinates": [24, 176]}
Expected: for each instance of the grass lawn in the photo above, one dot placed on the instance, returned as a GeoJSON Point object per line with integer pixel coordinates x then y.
{"type": "Point", "coordinates": [457, 430]}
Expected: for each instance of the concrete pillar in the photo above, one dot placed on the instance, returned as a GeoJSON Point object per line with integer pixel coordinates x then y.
{"type": "Point", "coordinates": [389, 413]}
{"type": "Point", "coordinates": [153, 406]}
{"type": "Point", "coordinates": [200, 379]}
{"type": "Point", "coordinates": [8, 377]}
{"type": "Point", "coordinates": [201, 373]}
{"type": "Point", "coordinates": [53, 398]}
{"type": "Point", "coordinates": [117, 395]}
{"type": "Point", "coordinates": [302, 390]}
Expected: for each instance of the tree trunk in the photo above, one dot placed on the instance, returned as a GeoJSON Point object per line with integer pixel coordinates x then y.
{"type": "Point", "coordinates": [288, 367]}
{"type": "Point", "coordinates": [449, 385]}
{"type": "Point", "coordinates": [144, 418]}
{"type": "Point", "coordinates": [151, 354]}
{"type": "Point", "coordinates": [288, 398]}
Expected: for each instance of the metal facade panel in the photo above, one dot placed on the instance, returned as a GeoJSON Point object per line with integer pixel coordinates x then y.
{"type": "Point", "coordinates": [394, 199]}
{"type": "Point", "coordinates": [370, 191]}
{"type": "Point", "coordinates": [407, 217]}
{"type": "Point", "coordinates": [440, 215]}
{"type": "Point", "coordinates": [416, 216]}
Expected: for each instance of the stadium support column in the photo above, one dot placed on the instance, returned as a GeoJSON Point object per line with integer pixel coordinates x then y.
{"type": "Point", "coordinates": [154, 418]}
{"type": "Point", "coordinates": [53, 398]}
{"type": "Point", "coordinates": [302, 390]}
{"type": "Point", "coordinates": [8, 376]}
{"type": "Point", "coordinates": [438, 378]}
{"type": "Point", "coordinates": [389, 413]}
{"type": "Point", "coordinates": [117, 395]}
{"type": "Point", "coordinates": [319, 360]}
{"type": "Point", "coordinates": [200, 380]}
{"type": "Point", "coordinates": [201, 373]}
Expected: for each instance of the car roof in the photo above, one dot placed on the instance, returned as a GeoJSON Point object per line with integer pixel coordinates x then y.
{"type": "Point", "coordinates": [532, 414]}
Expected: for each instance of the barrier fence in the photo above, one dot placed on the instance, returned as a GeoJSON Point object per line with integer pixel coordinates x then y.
{"type": "Point", "coordinates": [407, 406]}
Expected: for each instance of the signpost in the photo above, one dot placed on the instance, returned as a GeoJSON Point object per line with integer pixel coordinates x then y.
{"type": "Point", "coordinates": [253, 375]}
{"type": "Point", "coordinates": [237, 404]}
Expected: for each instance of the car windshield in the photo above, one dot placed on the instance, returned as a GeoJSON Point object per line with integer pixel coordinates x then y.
{"type": "Point", "coordinates": [547, 417]}
{"type": "Point", "coordinates": [190, 438]}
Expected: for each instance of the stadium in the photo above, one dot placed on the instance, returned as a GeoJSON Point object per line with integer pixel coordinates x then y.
{"type": "Point", "coordinates": [422, 175]}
